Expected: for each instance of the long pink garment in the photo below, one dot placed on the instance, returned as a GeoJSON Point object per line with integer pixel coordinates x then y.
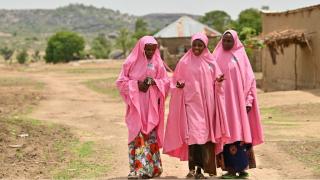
{"type": "Point", "coordinates": [145, 111]}
{"type": "Point", "coordinates": [240, 91]}
{"type": "Point", "coordinates": [196, 113]}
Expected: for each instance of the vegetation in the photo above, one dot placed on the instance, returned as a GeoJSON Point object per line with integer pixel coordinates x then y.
{"type": "Point", "coordinates": [101, 47]}
{"type": "Point", "coordinates": [125, 41]}
{"type": "Point", "coordinates": [64, 46]}
{"type": "Point", "coordinates": [22, 56]}
{"type": "Point", "coordinates": [36, 56]}
{"type": "Point", "coordinates": [6, 53]}
{"type": "Point", "coordinates": [141, 29]}
{"type": "Point", "coordinates": [219, 20]}
{"type": "Point", "coordinates": [104, 86]}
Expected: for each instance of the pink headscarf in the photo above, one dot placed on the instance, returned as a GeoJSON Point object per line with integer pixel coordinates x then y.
{"type": "Point", "coordinates": [251, 125]}
{"type": "Point", "coordinates": [144, 113]}
{"type": "Point", "coordinates": [196, 113]}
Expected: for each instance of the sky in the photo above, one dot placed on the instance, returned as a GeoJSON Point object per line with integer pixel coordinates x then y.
{"type": "Point", "coordinates": [143, 7]}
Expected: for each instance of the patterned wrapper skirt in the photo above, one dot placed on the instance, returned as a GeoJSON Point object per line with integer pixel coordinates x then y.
{"type": "Point", "coordinates": [203, 156]}
{"type": "Point", "coordinates": [144, 155]}
{"type": "Point", "coordinates": [236, 157]}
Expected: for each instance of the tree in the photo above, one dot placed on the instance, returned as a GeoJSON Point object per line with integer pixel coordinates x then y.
{"type": "Point", "coordinates": [6, 53]}
{"type": "Point", "coordinates": [22, 56]}
{"type": "Point", "coordinates": [219, 20]}
{"type": "Point", "coordinates": [36, 56]}
{"type": "Point", "coordinates": [246, 33]}
{"type": "Point", "coordinates": [250, 18]}
{"type": "Point", "coordinates": [141, 28]}
{"type": "Point", "coordinates": [101, 47]}
{"type": "Point", "coordinates": [141, 25]}
{"type": "Point", "coordinates": [247, 36]}
{"type": "Point", "coordinates": [125, 41]}
{"type": "Point", "coordinates": [64, 46]}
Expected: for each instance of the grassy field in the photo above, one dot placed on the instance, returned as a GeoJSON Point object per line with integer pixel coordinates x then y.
{"type": "Point", "coordinates": [104, 86]}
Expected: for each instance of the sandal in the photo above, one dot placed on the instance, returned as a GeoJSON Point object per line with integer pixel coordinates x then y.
{"type": "Point", "coordinates": [132, 175]}
{"type": "Point", "coordinates": [145, 177]}
{"type": "Point", "coordinates": [157, 175]}
{"type": "Point", "coordinates": [191, 174]}
{"type": "Point", "coordinates": [243, 175]}
{"type": "Point", "coordinates": [229, 176]}
{"type": "Point", "coordinates": [199, 176]}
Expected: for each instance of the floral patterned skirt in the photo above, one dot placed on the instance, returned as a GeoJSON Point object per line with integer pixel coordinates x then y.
{"type": "Point", "coordinates": [144, 156]}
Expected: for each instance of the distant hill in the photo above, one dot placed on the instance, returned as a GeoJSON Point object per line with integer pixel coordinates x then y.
{"type": "Point", "coordinates": [76, 17]}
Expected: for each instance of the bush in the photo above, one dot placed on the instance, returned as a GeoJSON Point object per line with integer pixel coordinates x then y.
{"type": "Point", "coordinates": [22, 57]}
{"type": "Point", "coordinates": [36, 56]}
{"type": "Point", "coordinates": [64, 46]}
{"type": "Point", "coordinates": [101, 47]}
{"type": "Point", "coordinates": [6, 53]}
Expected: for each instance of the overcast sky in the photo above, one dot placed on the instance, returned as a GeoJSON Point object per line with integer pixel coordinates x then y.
{"type": "Point", "coordinates": [142, 7]}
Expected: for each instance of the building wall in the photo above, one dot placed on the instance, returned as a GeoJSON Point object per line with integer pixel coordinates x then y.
{"type": "Point", "coordinates": [174, 43]}
{"type": "Point", "coordinates": [256, 60]}
{"type": "Point", "coordinates": [281, 76]}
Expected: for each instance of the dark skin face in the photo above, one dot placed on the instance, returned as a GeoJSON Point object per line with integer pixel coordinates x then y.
{"type": "Point", "coordinates": [149, 50]}
{"type": "Point", "coordinates": [197, 47]}
{"type": "Point", "coordinates": [227, 41]}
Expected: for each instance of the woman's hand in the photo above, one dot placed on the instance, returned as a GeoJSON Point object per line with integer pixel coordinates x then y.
{"type": "Point", "coordinates": [143, 87]}
{"type": "Point", "coordinates": [221, 78]}
{"type": "Point", "coordinates": [248, 108]}
{"type": "Point", "coordinates": [180, 85]}
{"type": "Point", "coordinates": [149, 81]}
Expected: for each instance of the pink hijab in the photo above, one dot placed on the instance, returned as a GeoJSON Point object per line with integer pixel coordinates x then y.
{"type": "Point", "coordinates": [145, 111]}
{"type": "Point", "coordinates": [251, 124]}
{"type": "Point", "coordinates": [196, 114]}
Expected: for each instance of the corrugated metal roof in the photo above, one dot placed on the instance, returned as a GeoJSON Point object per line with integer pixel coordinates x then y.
{"type": "Point", "coordinates": [185, 27]}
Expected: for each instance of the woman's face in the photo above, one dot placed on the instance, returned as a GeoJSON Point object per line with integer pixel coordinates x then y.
{"type": "Point", "coordinates": [197, 47]}
{"type": "Point", "coordinates": [149, 50]}
{"type": "Point", "coordinates": [227, 41]}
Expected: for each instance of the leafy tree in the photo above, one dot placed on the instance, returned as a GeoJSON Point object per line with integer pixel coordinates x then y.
{"type": "Point", "coordinates": [246, 33]}
{"type": "Point", "coordinates": [219, 20]}
{"type": "Point", "coordinates": [101, 47]}
{"type": "Point", "coordinates": [64, 46]}
{"type": "Point", "coordinates": [141, 29]}
{"type": "Point", "coordinates": [125, 41]}
{"type": "Point", "coordinates": [250, 18]}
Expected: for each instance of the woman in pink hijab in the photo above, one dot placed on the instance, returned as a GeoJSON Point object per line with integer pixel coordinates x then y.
{"type": "Point", "coordinates": [196, 125]}
{"type": "Point", "coordinates": [241, 107]}
{"type": "Point", "coordinates": [143, 85]}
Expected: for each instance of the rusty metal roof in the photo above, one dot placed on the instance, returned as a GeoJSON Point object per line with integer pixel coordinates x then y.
{"type": "Point", "coordinates": [185, 27]}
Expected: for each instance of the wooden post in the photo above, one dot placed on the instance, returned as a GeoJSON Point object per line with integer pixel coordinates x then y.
{"type": "Point", "coordinates": [295, 67]}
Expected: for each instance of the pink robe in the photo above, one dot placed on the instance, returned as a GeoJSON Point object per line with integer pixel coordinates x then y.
{"type": "Point", "coordinates": [240, 91]}
{"type": "Point", "coordinates": [145, 111]}
{"type": "Point", "coordinates": [196, 114]}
